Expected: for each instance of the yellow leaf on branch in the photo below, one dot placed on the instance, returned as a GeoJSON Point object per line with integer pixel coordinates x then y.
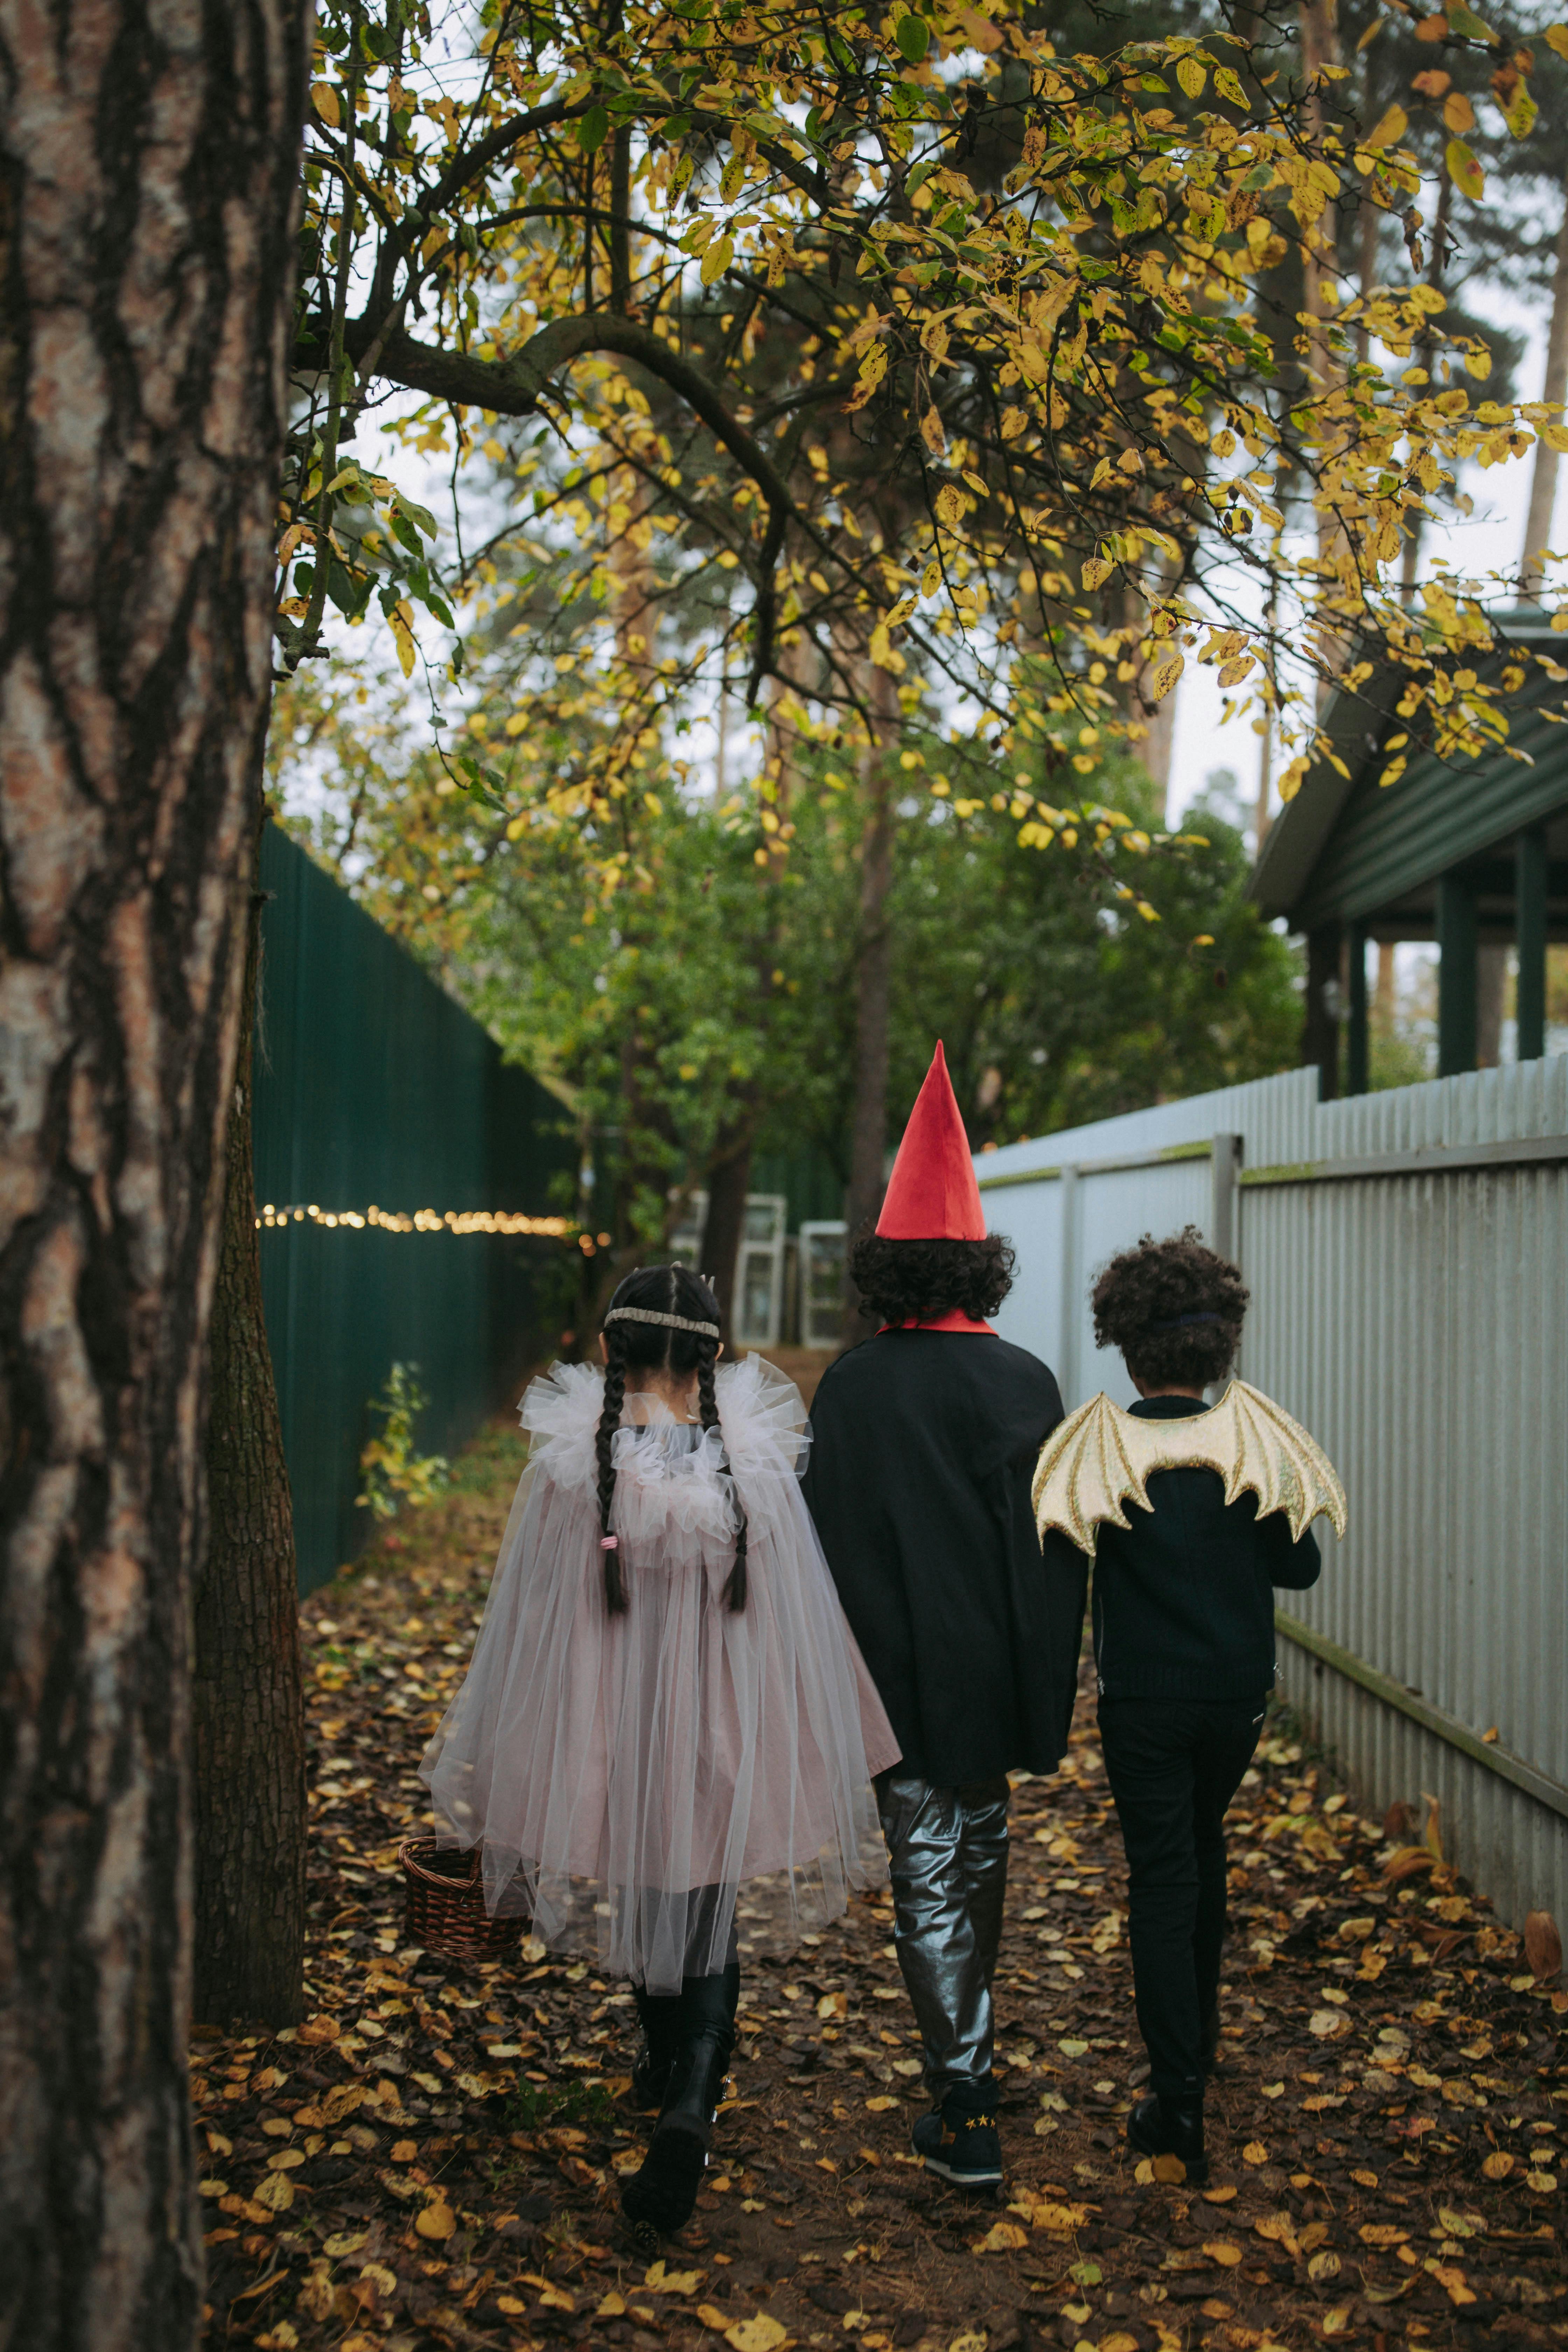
{"type": "Point", "coordinates": [402, 620]}
{"type": "Point", "coordinates": [717, 260]}
{"type": "Point", "coordinates": [1168, 668]}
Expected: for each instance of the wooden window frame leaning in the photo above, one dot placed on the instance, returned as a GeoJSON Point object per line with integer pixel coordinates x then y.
{"type": "Point", "coordinates": [1418, 1159]}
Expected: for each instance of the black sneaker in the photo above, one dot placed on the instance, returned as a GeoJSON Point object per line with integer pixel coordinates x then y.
{"type": "Point", "coordinates": [959, 2140]}
{"type": "Point", "coordinates": [1158, 2127]}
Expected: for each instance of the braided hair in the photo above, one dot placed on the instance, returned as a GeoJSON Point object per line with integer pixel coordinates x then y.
{"type": "Point", "coordinates": [659, 1347]}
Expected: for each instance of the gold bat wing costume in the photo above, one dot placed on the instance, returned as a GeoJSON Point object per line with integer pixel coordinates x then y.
{"type": "Point", "coordinates": [1102, 1454]}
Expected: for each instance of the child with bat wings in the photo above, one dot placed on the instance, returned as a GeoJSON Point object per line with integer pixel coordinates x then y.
{"type": "Point", "coordinates": [1224, 1498]}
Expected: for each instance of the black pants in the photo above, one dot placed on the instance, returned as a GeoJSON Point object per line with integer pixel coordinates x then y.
{"type": "Point", "coordinates": [1173, 1765]}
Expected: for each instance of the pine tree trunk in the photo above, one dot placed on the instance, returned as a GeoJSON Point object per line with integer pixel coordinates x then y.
{"type": "Point", "coordinates": [868, 1132]}
{"type": "Point", "coordinates": [1544, 480]}
{"type": "Point", "coordinates": [247, 1699]}
{"type": "Point", "coordinates": [730, 1172]}
{"type": "Point", "coordinates": [729, 1181]}
{"type": "Point", "coordinates": [149, 166]}
{"type": "Point", "coordinates": [1414, 520]}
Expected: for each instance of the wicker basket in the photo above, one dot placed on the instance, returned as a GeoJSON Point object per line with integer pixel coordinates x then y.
{"type": "Point", "coordinates": [444, 1906]}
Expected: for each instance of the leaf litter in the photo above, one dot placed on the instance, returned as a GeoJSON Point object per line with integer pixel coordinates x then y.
{"type": "Point", "coordinates": [431, 2159]}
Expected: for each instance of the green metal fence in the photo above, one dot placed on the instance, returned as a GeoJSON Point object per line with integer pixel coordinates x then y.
{"type": "Point", "coordinates": [372, 1087]}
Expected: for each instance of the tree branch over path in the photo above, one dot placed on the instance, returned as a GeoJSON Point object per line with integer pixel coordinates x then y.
{"type": "Point", "coordinates": [519, 385]}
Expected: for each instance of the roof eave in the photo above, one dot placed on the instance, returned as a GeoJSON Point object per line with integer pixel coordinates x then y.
{"type": "Point", "coordinates": [1279, 881]}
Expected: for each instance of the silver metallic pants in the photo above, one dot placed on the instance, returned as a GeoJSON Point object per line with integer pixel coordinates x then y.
{"type": "Point", "coordinates": [947, 1854]}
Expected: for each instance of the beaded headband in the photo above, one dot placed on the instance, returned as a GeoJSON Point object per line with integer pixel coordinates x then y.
{"type": "Point", "coordinates": [651, 1314]}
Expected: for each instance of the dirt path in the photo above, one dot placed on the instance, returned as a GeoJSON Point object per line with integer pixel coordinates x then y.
{"type": "Point", "coordinates": [431, 2159]}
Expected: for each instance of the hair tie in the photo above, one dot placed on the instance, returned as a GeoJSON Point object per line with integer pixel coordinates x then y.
{"type": "Point", "coordinates": [609, 1543]}
{"type": "Point", "coordinates": [1180, 1322]}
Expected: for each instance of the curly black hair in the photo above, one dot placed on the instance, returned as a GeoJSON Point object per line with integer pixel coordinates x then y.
{"type": "Point", "coordinates": [1174, 1308]}
{"type": "Point", "coordinates": [904, 1282]}
{"type": "Point", "coordinates": [659, 1346]}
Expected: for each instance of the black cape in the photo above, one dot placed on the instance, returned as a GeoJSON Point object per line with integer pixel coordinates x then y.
{"type": "Point", "coordinates": [923, 1445]}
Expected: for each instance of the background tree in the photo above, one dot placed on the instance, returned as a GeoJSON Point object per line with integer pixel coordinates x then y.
{"type": "Point", "coordinates": [963, 352]}
{"type": "Point", "coordinates": [909, 356]}
{"type": "Point", "coordinates": [248, 1702]}
{"type": "Point", "coordinates": [151, 168]}
{"type": "Point", "coordinates": [1055, 1006]}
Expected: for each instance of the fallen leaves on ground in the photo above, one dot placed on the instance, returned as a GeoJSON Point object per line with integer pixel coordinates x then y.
{"type": "Point", "coordinates": [430, 2160]}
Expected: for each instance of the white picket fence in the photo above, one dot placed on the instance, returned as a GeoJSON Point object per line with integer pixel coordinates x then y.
{"type": "Point", "coordinates": [1407, 1255]}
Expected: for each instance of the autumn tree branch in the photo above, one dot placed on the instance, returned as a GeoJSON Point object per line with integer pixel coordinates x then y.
{"type": "Point", "coordinates": [517, 385]}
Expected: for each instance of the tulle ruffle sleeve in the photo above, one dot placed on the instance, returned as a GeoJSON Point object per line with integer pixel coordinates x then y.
{"type": "Point", "coordinates": [763, 1419]}
{"type": "Point", "coordinates": [560, 1411]}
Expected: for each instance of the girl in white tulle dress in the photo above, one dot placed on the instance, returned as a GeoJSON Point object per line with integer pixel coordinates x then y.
{"type": "Point", "coordinates": [665, 1742]}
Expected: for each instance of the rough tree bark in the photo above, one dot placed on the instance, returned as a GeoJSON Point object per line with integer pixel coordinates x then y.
{"type": "Point", "coordinates": [148, 167]}
{"type": "Point", "coordinates": [247, 1706]}
{"type": "Point", "coordinates": [873, 984]}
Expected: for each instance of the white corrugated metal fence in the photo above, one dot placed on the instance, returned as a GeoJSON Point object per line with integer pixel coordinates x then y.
{"type": "Point", "coordinates": [1407, 1255]}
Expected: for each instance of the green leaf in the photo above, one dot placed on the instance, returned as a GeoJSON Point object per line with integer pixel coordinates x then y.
{"type": "Point", "coordinates": [912, 35]}
{"type": "Point", "coordinates": [1467, 25]}
{"type": "Point", "coordinates": [593, 130]}
{"type": "Point", "coordinates": [421, 515]}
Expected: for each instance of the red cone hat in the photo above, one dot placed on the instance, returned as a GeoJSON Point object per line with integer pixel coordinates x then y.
{"type": "Point", "coordinates": [932, 1194]}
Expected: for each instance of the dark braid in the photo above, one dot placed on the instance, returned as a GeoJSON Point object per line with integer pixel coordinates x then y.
{"type": "Point", "coordinates": [604, 1445]}
{"type": "Point", "coordinates": [708, 1406]}
{"type": "Point", "coordinates": [660, 1347]}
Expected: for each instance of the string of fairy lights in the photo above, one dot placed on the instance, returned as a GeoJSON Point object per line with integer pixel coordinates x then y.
{"type": "Point", "coordinates": [430, 1221]}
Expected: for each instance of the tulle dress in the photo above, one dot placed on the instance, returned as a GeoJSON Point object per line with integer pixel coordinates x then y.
{"type": "Point", "coordinates": [661, 1787]}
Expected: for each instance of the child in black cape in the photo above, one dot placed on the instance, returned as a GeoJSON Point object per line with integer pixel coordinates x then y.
{"type": "Point", "coordinates": [1184, 1625]}
{"type": "Point", "coordinates": [924, 1440]}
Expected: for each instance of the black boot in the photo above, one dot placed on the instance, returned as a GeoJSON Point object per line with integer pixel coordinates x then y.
{"type": "Point", "coordinates": [1161, 2127]}
{"type": "Point", "coordinates": [1211, 2040]}
{"type": "Point", "coordinates": [659, 2013]}
{"type": "Point", "coordinates": [659, 2198]}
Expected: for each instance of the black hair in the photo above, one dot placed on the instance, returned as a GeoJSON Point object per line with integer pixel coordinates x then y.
{"type": "Point", "coordinates": [900, 1282]}
{"type": "Point", "coordinates": [659, 1347]}
{"type": "Point", "coordinates": [1174, 1308]}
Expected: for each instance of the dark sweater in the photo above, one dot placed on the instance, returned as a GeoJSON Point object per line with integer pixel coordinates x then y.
{"type": "Point", "coordinates": [1184, 1599]}
{"type": "Point", "coordinates": [923, 1444]}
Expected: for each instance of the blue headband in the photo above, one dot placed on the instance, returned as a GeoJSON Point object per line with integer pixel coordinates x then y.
{"type": "Point", "coordinates": [1180, 1322]}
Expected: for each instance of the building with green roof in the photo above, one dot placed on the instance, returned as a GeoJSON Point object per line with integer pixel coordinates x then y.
{"type": "Point", "coordinates": [1470, 852]}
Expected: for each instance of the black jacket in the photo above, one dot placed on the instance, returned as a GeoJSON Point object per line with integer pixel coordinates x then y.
{"type": "Point", "coordinates": [923, 1444]}
{"type": "Point", "coordinates": [1184, 1599]}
